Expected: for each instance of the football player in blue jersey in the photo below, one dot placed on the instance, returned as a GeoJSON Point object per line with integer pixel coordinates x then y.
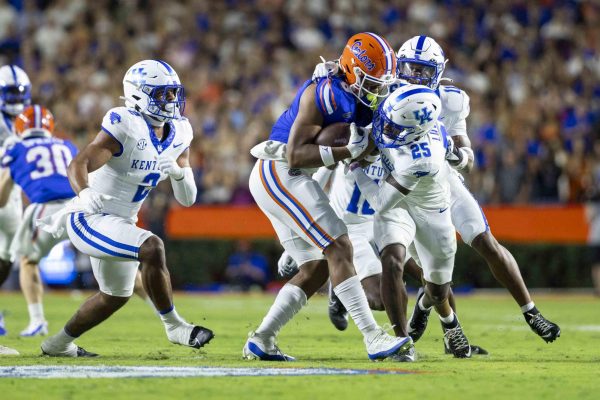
{"type": "Point", "coordinates": [299, 210]}
{"type": "Point", "coordinates": [37, 163]}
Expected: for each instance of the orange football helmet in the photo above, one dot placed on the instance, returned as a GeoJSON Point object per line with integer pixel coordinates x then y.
{"type": "Point", "coordinates": [34, 120]}
{"type": "Point", "coordinates": [369, 65]}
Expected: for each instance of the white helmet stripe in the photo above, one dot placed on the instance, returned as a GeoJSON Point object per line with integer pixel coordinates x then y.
{"type": "Point", "coordinates": [387, 50]}
{"type": "Point", "coordinates": [37, 112]}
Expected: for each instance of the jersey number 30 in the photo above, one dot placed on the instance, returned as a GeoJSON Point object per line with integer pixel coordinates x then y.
{"type": "Point", "coordinates": [49, 160]}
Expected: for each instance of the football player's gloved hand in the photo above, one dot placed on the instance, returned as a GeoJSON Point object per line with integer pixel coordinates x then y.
{"type": "Point", "coordinates": [168, 165]}
{"type": "Point", "coordinates": [457, 157]}
{"type": "Point", "coordinates": [286, 266]}
{"type": "Point", "coordinates": [325, 69]}
{"type": "Point", "coordinates": [359, 140]}
{"type": "Point", "coordinates": [91, 201]}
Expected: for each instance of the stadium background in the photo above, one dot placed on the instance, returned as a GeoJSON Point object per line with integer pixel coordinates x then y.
{"type": "Point", "coordinates": [532, 70]}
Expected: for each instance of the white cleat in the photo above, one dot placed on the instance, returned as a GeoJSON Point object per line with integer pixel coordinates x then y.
{"type": "Point", "coordinates": [51, 348]}
{"type": "Point", "coordinates": [35, 328]}
{"type": "Point", "coordinates": [264, 349]}
{"type": "Point", "coordinates": [7, 351]}
{"type": "Point", "coordinates": [190, 335]}
{"type": "Point", "coordinates": [381, 345]}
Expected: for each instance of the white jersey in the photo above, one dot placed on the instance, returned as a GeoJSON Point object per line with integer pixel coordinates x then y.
{"type": "Point", "coordinates": [6, 127]}
{"type": "Point", "coordinates": [455, 110]}
{"type": "Point", "coordinates": [131, 173]}
{"type": "Point", "coordinates": [421, 167]}
{"type": "Point", "coordinates": [346, 198]}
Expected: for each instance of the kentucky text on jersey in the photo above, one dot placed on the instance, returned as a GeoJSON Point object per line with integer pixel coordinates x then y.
{"type": "Point", "coordinates": [39, 167]}
{"type": "Point", "coordinates": [146, 165]}
{"type": "Point", "coordinates": [335, 102]}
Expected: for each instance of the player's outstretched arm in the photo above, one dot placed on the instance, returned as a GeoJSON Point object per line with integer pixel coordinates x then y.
{"type": "Point", "coordinates": [182, 177]}
{"type": "Point", "coordinates": [92, 157]}
{"type": "Point", "coordinates": [381, 198]}
{"type": "Point", "coordinates": [301, 150]}
{"type": "Point", "coordinates": [6, 185]}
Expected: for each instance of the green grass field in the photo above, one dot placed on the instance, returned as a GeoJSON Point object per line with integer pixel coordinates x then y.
{"type": "Point", "coordinates": [520, 365]}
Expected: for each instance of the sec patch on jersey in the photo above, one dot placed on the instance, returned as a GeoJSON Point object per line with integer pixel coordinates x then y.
{"type": "Point", "coordinates": [334, 135]}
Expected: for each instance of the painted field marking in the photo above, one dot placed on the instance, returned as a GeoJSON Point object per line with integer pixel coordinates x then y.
{"type": "Point", "coordinates": [100, 371]}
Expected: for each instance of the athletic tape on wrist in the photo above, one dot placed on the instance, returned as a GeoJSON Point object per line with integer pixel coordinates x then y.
{"type": "Point", "coordinates": [326, 155]}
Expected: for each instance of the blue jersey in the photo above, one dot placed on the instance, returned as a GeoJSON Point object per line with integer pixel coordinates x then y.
{"type": "Point", "coordinates": [39, 166]}
{"type": "Point", "coordinates": [335, 102]}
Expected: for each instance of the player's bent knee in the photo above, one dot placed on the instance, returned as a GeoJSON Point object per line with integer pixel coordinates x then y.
{"type": "Point", "coordinates": [152, 250]}
{"type": "Point", "coordinates": [486, 244]}
{"type": "Point", "coordinates": [340, 250]}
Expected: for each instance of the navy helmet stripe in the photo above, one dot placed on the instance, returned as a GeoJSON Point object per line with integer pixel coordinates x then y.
{"type": "Point", "coordinates": [14, 74]}
{"type": "Point", "coordinates": [413, 91]}
{"type": "Point", "coordinates": [420, 44]}
{"type": "Point", "coordinates": [167, 66]}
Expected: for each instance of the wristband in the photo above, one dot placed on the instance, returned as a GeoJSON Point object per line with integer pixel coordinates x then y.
{"type": "Point", "coordinates": [326, 155]}
{"type": "Point", "coordinates": [465, 158]}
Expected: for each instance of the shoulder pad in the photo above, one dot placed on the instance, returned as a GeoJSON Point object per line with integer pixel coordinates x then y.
{"type": "Point", "coordinates": [334, 98]}
{"type": "Point", "coordinates": [454, 101]}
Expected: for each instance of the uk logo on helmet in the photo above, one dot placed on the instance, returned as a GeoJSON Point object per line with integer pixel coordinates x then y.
{"type": "Point", "coordinates": [359, 52]}
{"type": "Point", "coordinates": [425, 117]}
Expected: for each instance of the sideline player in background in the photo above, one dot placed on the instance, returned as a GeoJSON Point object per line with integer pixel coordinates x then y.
{"type": "Point", "coordinates": [299, 210]}
{"type": "Point", "coordinates": [139, 145]}
{"type": "Point", "coordinates": [37, 163]}
{"type": "Point", "coordinates": [15, 94]}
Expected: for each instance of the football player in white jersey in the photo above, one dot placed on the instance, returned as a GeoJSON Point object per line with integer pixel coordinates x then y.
{"type": "Point", "coordinates": [15, 94]}
{"type": "Point", "coordinates": [422, 61]}
{"type": "Point", "coordinates": [412, 203]}
{"type": "Point", "coordinates": [139, 145]}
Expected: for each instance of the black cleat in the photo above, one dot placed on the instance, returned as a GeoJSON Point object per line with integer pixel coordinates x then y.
{"type": "Point", "coordinates": [456, 341]}
{"type": "Point", "coordinates": [475, 350]}
{"type": "Point", "coordinates": [545, 329]}
{"type": "Point", "coordinates": [418, 320]}
{"type": "Point", "coordinates": [200, 336]}
{"type": "Point", "coordinates": [81, 352]}
{"type": "Point", "coordinates": [337, 312]}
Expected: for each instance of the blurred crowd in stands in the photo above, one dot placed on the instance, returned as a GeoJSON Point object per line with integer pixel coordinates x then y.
{"type": "Point", "coordinates": [531, 68]}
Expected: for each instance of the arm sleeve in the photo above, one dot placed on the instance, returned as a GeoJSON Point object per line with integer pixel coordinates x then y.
{"type": "Point", "coordinates": [382, 197]}
{"type": "Point", "coordinates": [185, 189]}
{"type": "Point", "coordinates": [322, 176]}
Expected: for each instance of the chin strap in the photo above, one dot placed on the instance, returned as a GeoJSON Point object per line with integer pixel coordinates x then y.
{"type": "Point", "coordinates": [185, 188]}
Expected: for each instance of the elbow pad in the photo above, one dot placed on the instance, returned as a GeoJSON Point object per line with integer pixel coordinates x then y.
{"type": "Point", "coordinates": [185, 188]}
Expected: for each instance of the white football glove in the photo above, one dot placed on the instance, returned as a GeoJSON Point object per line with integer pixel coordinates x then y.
{"type": "Point", "coordinates": [359, 140]}
{"type": "Point", "coordinates": [90, 201]}
{"type": "Point", "coordinates": [286, 266]}
{"type": "Point", "coordinates": [325, 69]}
{"type": "Point", "coordinates": [167, 165]}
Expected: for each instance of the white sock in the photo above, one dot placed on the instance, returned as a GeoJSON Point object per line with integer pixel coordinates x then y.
{"type": "Point", "coordinates": [421, 306]}
{"type": "Point", "coordinates": [352, 296]}
{"type": "Point", "coordinates": [447, 319]}
{"type": "Point", "coordinates": [288, 302]}
{"type": "Point", "coordinates": [527, 307]}
{"type": "Point", "coordinates": [171, 319]}
{"type": "Point", "coordinates": [63, 338]}
{"type": "Point", "coordinates": [36, 312]}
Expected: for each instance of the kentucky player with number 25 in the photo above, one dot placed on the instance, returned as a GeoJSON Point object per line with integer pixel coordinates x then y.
{"type": "Point", "coordinates": [139, 145]}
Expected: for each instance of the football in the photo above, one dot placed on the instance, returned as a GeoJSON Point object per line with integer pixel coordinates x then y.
{"type": "Point", "coordinates": [334, 135]}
